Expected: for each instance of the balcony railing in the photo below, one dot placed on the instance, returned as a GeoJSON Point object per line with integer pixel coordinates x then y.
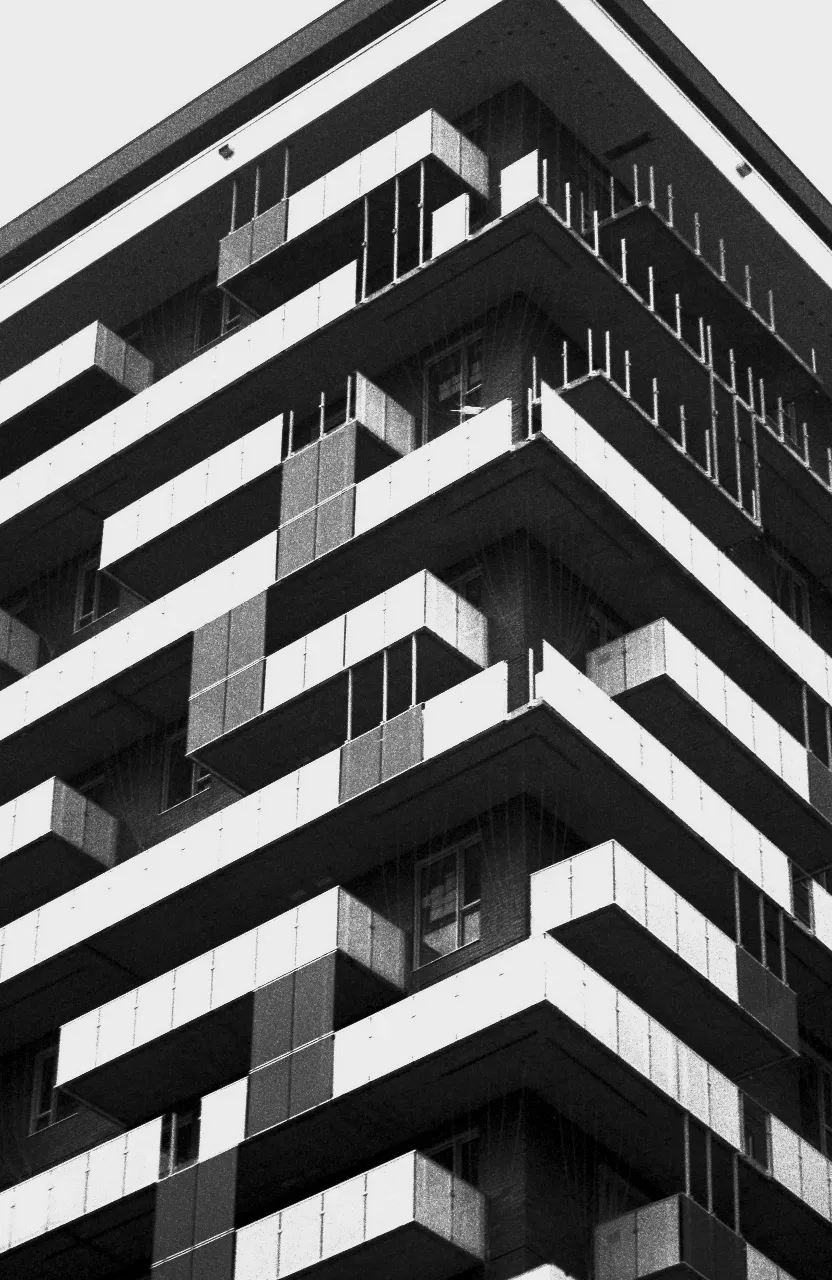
{"type": "Point", "coordinates": [51, 839]}
{"type": "Point", "coordinates": [63, 390]}
{"type": "Point", "coordinates": [235, 496]}
{"type": "Point", "coordinates": [19, 649]}
{"type": "Point", "coordinates": [214, 1018]}
{"type": "Point", "coordinates": [408, 1217]}
{"type": "Point", "coordinates": [604, 904]}
{"type": "Point", "coordinates": [346, 213]}
{"type": "Point", "coordinates": [672, 1238]}
{"type": "Point", "coordinates": [332, 686]}
{"type": "Point", "coordinates": [681, 696]}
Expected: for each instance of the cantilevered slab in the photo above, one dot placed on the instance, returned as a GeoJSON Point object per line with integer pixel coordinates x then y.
{"type": "Point", "coordinates": [19, 649]}
{"type": "Point", "coordinates": [633, 433]}
{"type": "Point", "coordinates": [323, 223]}
{"type": "Point", "coordinates": [706, 719]}
{"type": "Point", "coordinates": [197, 1024]}
{"type": "Point", "coordinates": [232, 498]}
{"type": "Point", "coordinates": [409, 1218]}
{"type": "Point", "coordinates": [51, 839]}
{"type": "Point", "coordinates": [676, 1239]}
{"type": "Point", "coordinates": [630, 926]}
{"type": "Point", "coordinates": [299, 707]}
{"type": "Point", "coordinates": [63, 390]}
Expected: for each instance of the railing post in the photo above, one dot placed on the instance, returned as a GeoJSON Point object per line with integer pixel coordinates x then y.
{"type": "Point", "coordinates": [627, 374]}
{"type": "Point", "coordinates": [771, 311]}
{"type": "Point", "coordinates": [596, 245]}
{"type": "Point", "coordinates": [683, 428]}
{"type": "Point", "coordinates": [612, 195]}
{"type": "Point", "coordinates": [256, 190]}
{"type": "Point", "coordinates": [737, 451]}
{"type": "Point", "coordinates": [747, 285]}
{"type": "Point", "coordinates": [623, 260]}
{"type": "Point", "coordinates": [656, 401]}
{"type": "Point", "coordinates": [545, 167]}
{"type": "Point", "coordinates": [589, 351]}
{"type": "Point", "coordinates": [568, 189]}
{"type": "Point", "coordinates": [652, 188]}
{"type": "Point", "coordinates": [421, 213]}
{"type": "Point", "coordinates": [635, 184]}
{"type": "Point", "coordinates": [678, 317]}
{"type": "Point", "coordinates": [651, 289]}
{"type": "Point", "coordinates": [722, 259]}
{"type": "Point", "coordinates": [233, 226]}
{"type": "Point", "coordinates": [669, 205]}
{"type": "Point", "coordinates": [714, 412]}
{"type": "Point", "coordinates": [565, 362]}
{"type": "Point", "coordinates": [697, 242]}
{"type": "Point", "coordinates": [608, 353]}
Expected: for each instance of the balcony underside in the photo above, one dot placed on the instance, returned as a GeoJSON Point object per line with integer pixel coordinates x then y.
{"type": "Point", "coordinates": [687, 486]}
{"type": "Point", "coordinates": [731, 768]}
{"type": "Point", "coordinates": [41, 871]}
{"type": "Point", "coordinates": [110, 1242]}
{"type": "Point", "coordinates": [207, 1052]}
{"type": "Point", "coordinates": [528, 252]}
{"type": "Point", "coordinates": [61, 413]}
{"type": "Point", "coordinates": [411, 1252]}
{"type": "Point", "coordinates": [533, 752]}
{"type": "Point", "coordinates": [81, 733]}
{"type": "Point", "coordinates": [684, 1001]}
{"type": "Point", "coordinates": [223, 528]}
{"type": "Point", "coordinates": [273, 743]}
{"type": "Point", "coordinates": [651, 241]}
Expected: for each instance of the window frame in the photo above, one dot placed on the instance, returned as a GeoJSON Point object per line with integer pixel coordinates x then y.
{"type": "Point", "coordinates": [89, 564]}
{"type": "Point", "coordinates": [798, 582]}
{"type": "Point", "coordinates": [201, 778]}
{"type": "Point", "coordinates": [462, 344]}
{"type": "Point", "coordinates": [36, 1115]}
{"type": "Point", "coordinates": [459, 850]}
{"type": "Point", "coordinates": [228, 324]}
{"type": "Point", "coordinates": [455, 1145]}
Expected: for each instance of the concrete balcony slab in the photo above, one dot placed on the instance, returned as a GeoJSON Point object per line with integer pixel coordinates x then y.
{"type": "Point", "coordinates": [630, 926]}
{"type": "Point", "coordinates": [409, 1217]}
{"type": "Point", "coordinates": [65, 389]}
{"type": "Point", "coordinates": [201, 1024]}
{"type": "Point", "coordinates": [51, 839]}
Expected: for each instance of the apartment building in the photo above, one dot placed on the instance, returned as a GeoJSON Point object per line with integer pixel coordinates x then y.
{"type": "Point", "coordinates": [416, 671]}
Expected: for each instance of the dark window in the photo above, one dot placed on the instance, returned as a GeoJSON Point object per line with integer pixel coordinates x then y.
{"type": "Point", "coordinates": [755, 1132]}
{"type": "Point", "coordinates": [453, 387]}
{"type": "Point", "coordinates": [49, 1105]}
{"type": "Point", "coordinates": [183, 778]}
{"type": "Point", "coordinates": [448, 903]}
{"type": "Point", "coordinates": [96, 595]}
{"type": "Point", "coordinates": [791, 592]}
{"type": "Point", "coordinates": [217, 314]}
{"type": "Point", "coordinates": [460, 1156]}
{"type": "Point", "coordinates": [180, 1138]}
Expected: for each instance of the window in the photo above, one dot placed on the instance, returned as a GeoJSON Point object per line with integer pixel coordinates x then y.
{"type": "Point", "coordinates": [453, 387]}
{"type": "Point", "coordinates": [96, 594]}
{"type": "Point", "coordinates": [791, 592]}
{"type": "Point", "coordinates": [825, 1107]}
{"type": "Point", "coordinates": [49, 1105]}
{"type": "Point", "coordinates": [469, 585]}
{"type": "Point", "coordinates": [755, 1132]}
{"type": "Point", "coordinates": [180, 1138]}
{"type": "Point", "coordinates": [600, 628]}
{"type": "Point", "coordinates": [217, 314]}
{"type": "Point", "coordinates": [448, 902]}
{"type": "Point", "coordinates": [460, 1156]}
{"type": "Point", "coordinates": [183, 778]}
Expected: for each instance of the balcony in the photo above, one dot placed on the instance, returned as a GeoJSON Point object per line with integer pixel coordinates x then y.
{"type": "Point", "coordinates": [96, 1209]}
{"type": "Point", "coordinates": [427, 161]}
{"type": "Point", "coordinates": [65, 389]}
{"type": "Point", "coordinates": [675, 1239]}
{"type": "Point", "coordinates": [51, 839]}
{"type": "Point", "coordinates": [19, 649]}
{"type": "Point", "coordinates": [371, 666]}
{"type": "Point", "coordinates": [409, 1217]}
{"type": "Point", "coordinates": [683, 698]}
{"type": "Point", "coordinates": [302, 975]}
{"type": "Point", "coordinates": [536, 1017]}
{"type": "Point", "coordinates": [234, 497]}
{"type": "Point", "coordinates": [629, 925]}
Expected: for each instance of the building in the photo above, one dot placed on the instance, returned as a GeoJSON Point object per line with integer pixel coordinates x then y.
{"type": "Point", "coordinates": [416, 647]}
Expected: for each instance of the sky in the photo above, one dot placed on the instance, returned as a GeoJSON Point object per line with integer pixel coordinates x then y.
{"type": "Point", "coordinates": [79, 79]}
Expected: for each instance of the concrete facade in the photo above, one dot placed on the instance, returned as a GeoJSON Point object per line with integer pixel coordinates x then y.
{"type": "Point", "coordinates": [416, 675]}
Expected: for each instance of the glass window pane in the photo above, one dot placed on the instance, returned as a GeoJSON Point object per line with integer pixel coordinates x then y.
{"type": "Point", "coordinates": [109, 595]}
{"type": "Point", "coordinates": [471, 926]}
{"type": "Point", "coordinates": [438, 909]}
{"type": "Point", "coordinates": [86, 603]}
{"type": "Point", "coordinates": [471, 876]}
{"type": "Point", "coordinates": [209, 318]}
{"type": "Point", "coordinates": [179, 773]}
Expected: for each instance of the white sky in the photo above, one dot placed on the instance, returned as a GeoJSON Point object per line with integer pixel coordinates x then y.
{"type": "Point", "coordinates": [79, 78]}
